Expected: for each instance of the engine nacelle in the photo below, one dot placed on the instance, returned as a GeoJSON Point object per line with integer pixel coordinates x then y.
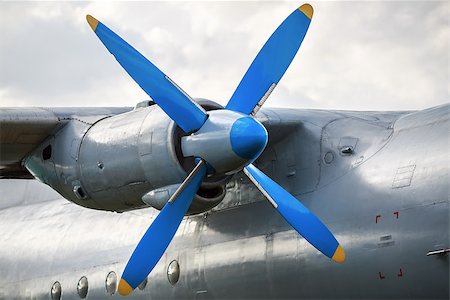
{"type": "Point", "coordinates": [125, 156]}
{"type": "Point", "coordinates": [111, 163]}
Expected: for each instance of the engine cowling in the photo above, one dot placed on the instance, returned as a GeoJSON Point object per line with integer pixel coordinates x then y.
{"type": "Point", "coordinates": [113, 163]}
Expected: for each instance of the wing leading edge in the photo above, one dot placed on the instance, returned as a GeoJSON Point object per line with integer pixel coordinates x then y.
{"type": "Point", "coordinates": [23, 129]}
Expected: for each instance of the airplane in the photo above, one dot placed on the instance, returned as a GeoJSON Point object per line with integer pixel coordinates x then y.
{"type": "Point", "coordinates": [189, 199]}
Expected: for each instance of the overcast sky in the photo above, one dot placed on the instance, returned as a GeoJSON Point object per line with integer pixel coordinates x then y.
{"type": "Point", "coordinates": [356, 55]}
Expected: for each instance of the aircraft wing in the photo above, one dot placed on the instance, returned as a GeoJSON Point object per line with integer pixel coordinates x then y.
{"type": "Point", "coordinates": [23, 129]}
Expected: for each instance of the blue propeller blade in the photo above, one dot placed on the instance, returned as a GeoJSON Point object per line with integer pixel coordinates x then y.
{"type": "Point", "coordinates": [158, 236]}
{"type": "Point", "coordinates": [169, 96]}
{"type": "Point", "coordinates": [271, 62]}
{"type": "Point", "coordinates": [296, 214]}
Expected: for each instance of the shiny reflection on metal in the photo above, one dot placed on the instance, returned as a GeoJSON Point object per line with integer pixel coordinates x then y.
{"type": "Point", "coordinates": [100, 165]}
{"type": "Point", "coordinates": [82, 287]}
{"type": "Point", "coordinates": [173, 272]}
{"type": "Point", "coordinates": [143, 284]}
{"type": "Point", "coordinates": [111, 283]}
{"type": "Point", "coordinates": [439, 252]}
{"type": "Point", "coordinates": [55, 292]}
{"type": "Point", "coordinates": [145, 103]}
{"type": "Point", "coordinates": [159, 197]}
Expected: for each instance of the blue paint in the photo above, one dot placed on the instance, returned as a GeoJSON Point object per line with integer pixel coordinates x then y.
{"type": "Point", "coordinates": [248, 138]}
{"type": "Point", "coordinates": [173, 102]}
{"type": "Point", "coordinates": [158, 236]}
{"type": "Point", "coordinates": [296, 214]}
{"type": "Point", "coordinates": [271, 63]}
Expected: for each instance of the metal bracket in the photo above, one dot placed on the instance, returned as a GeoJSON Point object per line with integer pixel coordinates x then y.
{"type": "Point", "coordinates": [263, 99]}
{"type": "Point", "coordinates": [187, 181]}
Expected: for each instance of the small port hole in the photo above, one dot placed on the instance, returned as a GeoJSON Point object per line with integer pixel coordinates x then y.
{"type": "Point", "coordinates": [47, 152]}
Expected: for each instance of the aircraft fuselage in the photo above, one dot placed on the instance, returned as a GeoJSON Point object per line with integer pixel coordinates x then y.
{"type": "Point", "coordinates": [379, 181]}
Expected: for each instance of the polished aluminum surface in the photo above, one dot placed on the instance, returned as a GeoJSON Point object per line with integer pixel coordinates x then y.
{"type": "Point", "coordinates": [242, 248]}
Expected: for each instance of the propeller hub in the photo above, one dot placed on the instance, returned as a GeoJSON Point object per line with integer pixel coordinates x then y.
{"type": "Point", "coordinates": [228, 141]}
{"type": "Point", "coordinates": [248, 138]}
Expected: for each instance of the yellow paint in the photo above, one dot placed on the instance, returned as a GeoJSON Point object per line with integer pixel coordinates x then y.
{"type": "Point", "coordinates": [339, 255]}
{"type": "Point", "coordinates": [124, 288]}
{"type": "Point", "coordinates": [307, 10]}
{"type": "Point", "coordinates": [93, 22]}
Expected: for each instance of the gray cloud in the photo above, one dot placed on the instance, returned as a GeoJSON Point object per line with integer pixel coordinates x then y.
{"type": "Point", "coordinates": [357, 55]}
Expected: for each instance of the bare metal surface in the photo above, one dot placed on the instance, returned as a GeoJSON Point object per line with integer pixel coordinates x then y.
{"type": "Point", "coordinates": [23, 129]}
{"type": "Point", "coordinates": [242, 248]}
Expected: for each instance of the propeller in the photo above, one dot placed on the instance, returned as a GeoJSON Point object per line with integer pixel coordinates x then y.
{"type": "Point", "coordinates": [178, 105]}
{"type": "Point", "coordinates": [223, 141]}
{"type": "Point", "coordinates": [158, 236]}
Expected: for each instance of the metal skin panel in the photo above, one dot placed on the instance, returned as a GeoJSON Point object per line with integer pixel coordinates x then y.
{"type": "Point", "coordinates": [21, 131]}
{"type": "Point", "coordinates": [89, 151]}
{"type": "Point", "coordinates": [365, 138]}
{"type": "Point", "coordinates": [133, 145]}
{"type": "Point", "coordinates": [24, 129]}
{"type": "Point", "coordinates": [244, 249]}
{"type": "Point", "coordinates": [65, 145]}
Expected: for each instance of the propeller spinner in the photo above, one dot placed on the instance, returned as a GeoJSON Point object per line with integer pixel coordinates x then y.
{"type": "Point", "coordinates": [227, 141]}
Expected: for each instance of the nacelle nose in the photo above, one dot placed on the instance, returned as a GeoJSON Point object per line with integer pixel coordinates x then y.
{"type": "Point", "coordinates": [248, 138]}
{"type": "Point", "coordinates": [228, 141]}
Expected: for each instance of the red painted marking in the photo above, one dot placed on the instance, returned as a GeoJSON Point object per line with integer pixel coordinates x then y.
{"type": "Point", "coordinates": [376, 218]}
{"type": "Point", "coordinates": [381, 275]}
{"type": "Point", "coordinates": [396, 214]}
{"type": "Point", "coordinates": [400, 274]}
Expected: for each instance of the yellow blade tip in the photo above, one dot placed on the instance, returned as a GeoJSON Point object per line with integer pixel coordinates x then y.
{"type": "Point", "coordinates": [93, 22]}
{"type": "Point", "coordinates": [124, 288]}
{"type": "Point", "coordinates": [307, 10]}
{"type": "Point", "coordinates": [339, 255]}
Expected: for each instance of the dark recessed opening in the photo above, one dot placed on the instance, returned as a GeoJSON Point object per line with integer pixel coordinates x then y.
{"type": "Point", "coordinates": [81, 192]}
{"type": "Point", "coordinates": [143, 284]}
{"type": "Point", "coordinates": [347, 150]}
{"type": "Point", "coordinates": [209, 192]}
{"type": "Point", "coordinates": [47, 152]}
